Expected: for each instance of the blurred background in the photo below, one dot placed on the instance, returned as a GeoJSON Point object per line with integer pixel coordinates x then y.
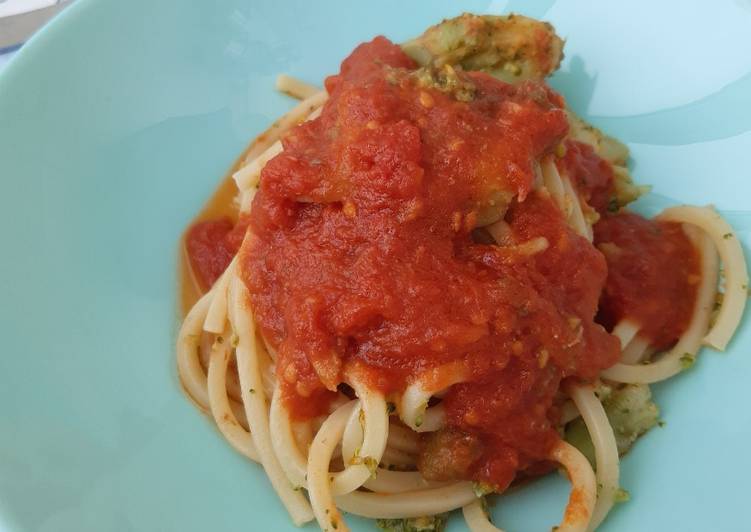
{"type": "Point", "coordinates": [19, 19]}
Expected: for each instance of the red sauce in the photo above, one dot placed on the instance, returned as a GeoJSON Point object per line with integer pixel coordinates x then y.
{"type": "Point", "coordinates": [591, 175]}
{"type": "Point", "coordinates": [362, 264]}
{"type": "Point", "coordinates": [210, 246]}
{"type": "Point", "coordinates": [654, 271]}
{"type": "Point", "coordinates": [361, 260]}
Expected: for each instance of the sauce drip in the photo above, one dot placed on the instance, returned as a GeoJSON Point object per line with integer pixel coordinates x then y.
{"type": "Point", "coordinates": [654, 274]}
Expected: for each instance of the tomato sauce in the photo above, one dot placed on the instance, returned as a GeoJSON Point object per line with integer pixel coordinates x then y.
{"type": "Point", "coordinates": [363, 261]}
{"type": "Point", "coordinates": [211, 245]}
{"type": "Point", "coordinates": [654, 273]}
{"type": "Point", "coordinates": [591, 175]}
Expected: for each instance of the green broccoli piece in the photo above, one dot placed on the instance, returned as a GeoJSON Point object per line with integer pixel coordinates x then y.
{"type": "Point", "coordinates": [607, 147]}
{"type": "Point", "coordinates": [512, 47]}
{"type": "Point", "coordinates": [429, 523]}
{"type": "Point", "coordinates": [625, 191]}
{"type": "Point", "coordinates": [631, 412]}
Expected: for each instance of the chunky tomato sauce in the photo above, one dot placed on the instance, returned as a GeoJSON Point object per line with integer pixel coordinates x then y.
{"type": "Point", "coordinates": [210, 246]}
{"type": "Point", "coordinates": [653, 268]}
{"type": "Point", "coordinates": [591, 175]}
{"type": "Point", "coordinates": [364, 259]}
{"type": "Point", "coordinates": [363, 265]}
{"type": "Point", "coordinates": [654, 273]}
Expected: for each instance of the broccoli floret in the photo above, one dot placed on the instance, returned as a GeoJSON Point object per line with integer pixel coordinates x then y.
{"type": "Point", "coordinates": [631, 412]}
{"type": "Point", "coordinates": [430, 523]}
{"type": "Point", "coordinates": [625, 191]}
{"type": "Point", "coordinates": [610, 149]}
{"type": "Point", "coordinates": [512, 48]}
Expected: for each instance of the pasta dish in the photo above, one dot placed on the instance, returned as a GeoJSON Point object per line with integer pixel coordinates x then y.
{"type": "Point", "coordinates": [424, 285]}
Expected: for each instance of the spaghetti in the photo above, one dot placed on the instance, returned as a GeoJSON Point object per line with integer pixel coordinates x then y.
{"type": "Point", "coordinates": [412, 304]}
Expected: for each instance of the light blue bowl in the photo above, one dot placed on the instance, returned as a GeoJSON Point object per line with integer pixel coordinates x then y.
{"type": "Point", "coordinates": [116, 123]}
